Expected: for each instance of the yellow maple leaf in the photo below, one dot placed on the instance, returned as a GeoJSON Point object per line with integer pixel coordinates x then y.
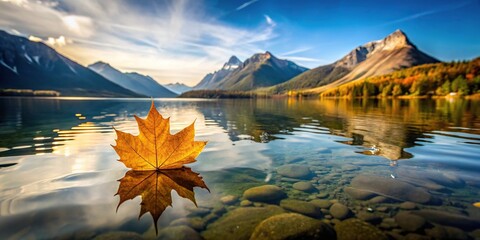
{"type": "Point", "coordinates": [155, 188]}
{"type": "Point", "coordinates": [157, 160]}
{"type": "Point", "coordinates": [155, 148]}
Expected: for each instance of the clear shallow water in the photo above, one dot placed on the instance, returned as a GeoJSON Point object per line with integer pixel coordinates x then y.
{"type": "Point", "coordinates": [58, 172]}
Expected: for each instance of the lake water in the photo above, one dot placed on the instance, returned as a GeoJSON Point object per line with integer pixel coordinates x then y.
{"type": "Point", "coordinates": [379, 158]}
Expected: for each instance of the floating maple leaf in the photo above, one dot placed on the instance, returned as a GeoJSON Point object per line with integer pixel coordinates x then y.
{"type": "Point", "coordinates": [155, 187]}
{"type": "Point", "coordinates": [155, 148]}
{"type": "Point", "coordinates": [157, 160]}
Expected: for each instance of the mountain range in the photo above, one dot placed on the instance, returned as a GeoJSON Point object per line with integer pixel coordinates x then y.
{"type": "Point", "coordinates": [25, 64]}
{"type": "Point", "coordinates": [177, 87]}
{"type": "Point", "coordinates": [30, 65]}
{"type": "Point", "coordinates": [371, 59]}
{"type": "Point", "coordinates": [392, 53]}
{"type": "Point", "coordinates": [260, 70]}
{"type": "Point", "coordinates": [136, 82]}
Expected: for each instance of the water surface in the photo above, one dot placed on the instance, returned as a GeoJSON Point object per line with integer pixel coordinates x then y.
{"type": "Point", "coordinates": [58, 172]}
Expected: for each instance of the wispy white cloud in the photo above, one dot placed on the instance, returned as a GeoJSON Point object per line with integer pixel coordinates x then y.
{"type": "Point", "coordinates": [21, 3]}
{"type": "Point", "coordinates": [34, 39]}
{"type": "Point", "coordinates": [429, 12]}
{"type": "Point", "coordinates": [172, 44]}
{"type": "Point", "coordinates": [295, 51]}
{"type": "Point", "coordinates": [57, 42]}
{"type": "Point", "coordinates": [303, 59]}
{"type": "Point", "coordinates": [269, 20]}
{"type": "Point", "coordinates": [52, 41]}
{"type": "Point", "coordinates": [246, 4]}
{"type": "Point", "coordinates": [411, 17]}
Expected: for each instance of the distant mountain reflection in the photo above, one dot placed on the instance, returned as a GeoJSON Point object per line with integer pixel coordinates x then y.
{"type": "Point", "coordinates": [382, 127]}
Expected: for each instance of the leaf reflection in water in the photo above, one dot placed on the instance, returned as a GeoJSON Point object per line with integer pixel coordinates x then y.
{"type": "Point", "coordinates": [155, 188]}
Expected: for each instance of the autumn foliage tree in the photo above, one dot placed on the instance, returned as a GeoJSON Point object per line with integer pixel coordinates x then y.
{"type": "Point", "coordinates": [462, 78]}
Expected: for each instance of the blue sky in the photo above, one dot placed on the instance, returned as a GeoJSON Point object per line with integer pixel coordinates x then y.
{"type": "Point", "coordinates": [181, 40]}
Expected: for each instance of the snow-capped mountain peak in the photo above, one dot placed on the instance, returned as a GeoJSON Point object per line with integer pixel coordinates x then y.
{"type": "Point", "coordinates": [395, 40]}
{"type": "Point", "coordinates": [232, 63]}
{"type": "Point", "coordinates": [211, 79]}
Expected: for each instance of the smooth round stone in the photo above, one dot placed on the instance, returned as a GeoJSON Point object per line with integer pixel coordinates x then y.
{"type": "Point", "coordinates": [240, 223]}
{"type": "Point", "coordinates": [302, 207]}
{"type": "Point", "coordinates": [121, 235]}
{"type": "Point", "coordinates": [292, 226]}
{"type": "Point", "coordinates": [245, 203]}
{"type": "Point", "coordinates": [359, 194]}
{"type": "Point", "coordinates": [311, 197]}
{"type": "Point", "coordinates": [357, 229]}
{"type": "Point", "coordinates": [410, 222]}
{"type": "Point", "coordinates": [303, 186]}
{"type": "Point", "coordinates": [339, 211]}
{"type": "Point", "coordinates": [449, 219]}
{"type": "Point", "coordinates": [392, 188]}
{"type": "Point", "coordinates": [295, 171]}
{"type": "Point", "coordinates": [265, 193]}
{"type": "Point", "coordinates": [321, 203]}
{"type": "Point", "coordinates": [369, 217]}
{"type": "Point", "coordinates": [229, 199]}
{"type": "Point", "coordinates": [382, 209]}
{"type": "Point", "coordinates": [179, 232]}
{"type": "Point", "coordinates": [322, 195]}
{"type": "Point", "coordinates": [388, 223]}
{"type": "Point", "coordinates": [408, 205]}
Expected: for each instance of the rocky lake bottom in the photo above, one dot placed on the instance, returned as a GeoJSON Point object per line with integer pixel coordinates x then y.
{"type": "Point", "coordinates": [308, 200]}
